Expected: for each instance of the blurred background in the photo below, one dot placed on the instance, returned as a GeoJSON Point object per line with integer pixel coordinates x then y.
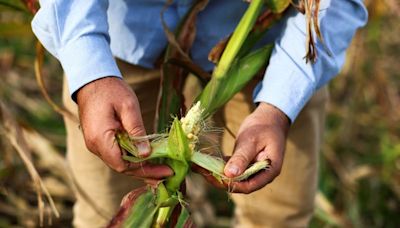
{"type": "Point", "coordinates": [359, 163]}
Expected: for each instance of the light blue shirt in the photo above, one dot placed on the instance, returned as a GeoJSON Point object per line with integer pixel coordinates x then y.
{"type": "Point", "coordinates": [85, 35]}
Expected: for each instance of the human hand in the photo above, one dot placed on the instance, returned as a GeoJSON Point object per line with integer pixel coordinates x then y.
{"type": "Point", "coordinates": [109, 104]}
{"type": "Point", "coordinates": [261, 136]}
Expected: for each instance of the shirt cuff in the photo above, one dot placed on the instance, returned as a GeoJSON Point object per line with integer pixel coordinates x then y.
{"type": "Point", "coordinates": [287, 89]}
{"type": "Point", "coordinates": [86, 59]}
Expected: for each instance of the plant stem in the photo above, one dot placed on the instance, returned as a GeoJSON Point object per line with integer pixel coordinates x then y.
{"type": "Point", "coordinates": [238, 37]}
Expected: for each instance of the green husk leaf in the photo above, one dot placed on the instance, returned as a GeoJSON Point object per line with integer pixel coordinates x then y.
{"type": "Point", "coordinates": [179, 153]}
{"type": "Point", "coordinates": [180, 171]}
{"type": "Point", "coordinates": [125, 142]}
{"type": "Point", "coordinates": [277, 6]}
{"type": "Point", "coordinates": [166, 203]}
{"type": "Point", "coordinates": [159, 150]}
{"type": "Point", "coordinates": [159, 146]}
{"type": "Point", "coordinates": [211, 163]}
{"type": "Point", "coordinates": [178, 144]}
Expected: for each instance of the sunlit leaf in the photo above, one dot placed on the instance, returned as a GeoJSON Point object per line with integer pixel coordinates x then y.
{"type": "Point", "coordinates": [219, 91]}
{"type": "Point", "coordinates": [179, 153]}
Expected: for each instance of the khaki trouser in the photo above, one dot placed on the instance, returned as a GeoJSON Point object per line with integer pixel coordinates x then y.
{"type": "Point", "coordinates": [287, 202]}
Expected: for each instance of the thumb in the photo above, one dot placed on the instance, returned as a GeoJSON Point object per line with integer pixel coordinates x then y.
{"type": "Point", "coordinates": [132, 123]}
{"type": "Point", "coordinates": [244, 152]}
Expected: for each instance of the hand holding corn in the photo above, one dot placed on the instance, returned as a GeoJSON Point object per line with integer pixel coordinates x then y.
{"type": "Point", "coordinates": [106, 105]}
{"type": "Point", "coordinates": [261, 137]}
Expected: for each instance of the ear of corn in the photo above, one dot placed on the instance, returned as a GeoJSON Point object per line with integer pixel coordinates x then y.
{"type": "Point", "coordinates": [179, 148]}
{"type": "Point", "coordinates": [179, 153]}
{"type": "Point", "coordinates": [216, 167]}
{"type": "Point", "coordinates": [179, 162]}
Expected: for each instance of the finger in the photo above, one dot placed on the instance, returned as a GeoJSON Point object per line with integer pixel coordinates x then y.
{"type": "Point", "coordinates": [255, 183]}
{"type": "Point", "coordinates": [274, 152]}
{"type": "Point", "coordinates": [244, 152]}
{"type": "Point", "coordinates": [131, 119]}
{"type": "Point", "coordinates": [150, 171]}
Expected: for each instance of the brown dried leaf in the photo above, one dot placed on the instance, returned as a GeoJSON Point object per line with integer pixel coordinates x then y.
{"type": "Point", "coordinates": [13, 133]}
{"type": "Point", "coordinates": [216, 52]}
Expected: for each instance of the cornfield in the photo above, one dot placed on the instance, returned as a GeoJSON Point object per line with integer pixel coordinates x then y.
{"type": "Point", "coordinates": [359, 173]}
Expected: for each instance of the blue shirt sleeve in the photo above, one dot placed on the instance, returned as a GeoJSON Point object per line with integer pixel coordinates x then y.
{"type": "Point", "coordinates": [76, 32]}
{"type": "Point", "coordinates": [289, 82]}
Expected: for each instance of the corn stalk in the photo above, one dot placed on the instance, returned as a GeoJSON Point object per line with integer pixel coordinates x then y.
{"type": "Point", "coordinates": [155, 205]}
{"type": "Point", "coordinates": [237, 63]}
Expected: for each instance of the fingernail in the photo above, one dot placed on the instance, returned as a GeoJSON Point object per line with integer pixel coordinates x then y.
{"type": "Point", "coordinates": [233, 169]}
{"type": "Point", "coordinates": [143, 148]}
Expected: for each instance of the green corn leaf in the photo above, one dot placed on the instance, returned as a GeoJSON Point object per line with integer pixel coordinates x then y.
{"type": "Point", "coordinates": [277, 6]}
{"type": "Point", "coordinates": [143, 211]}
{"type": "Point", "coordinates": [179, 153]}
{"type": "Point", "coordinates": [178, 144]}
{"type": "Point", "coordinates": [219, 90]}
{"type": "Point", "coordinates": [180, 169]}
{"type": "Point", "coordinates": [238, 37]}
{"type": "Point", "coordinates": [184, 218]}
{"type": "Point", "coordinates": [159, 149]}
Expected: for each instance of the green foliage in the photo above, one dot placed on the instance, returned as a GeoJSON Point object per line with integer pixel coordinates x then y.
{"type": "Point", "coordinates": [277, 6]}
{"type": "Point", "coordinates": [183, 217]}
{"type": "Point", "coordinates": [362, 129]}
{"type": "Point", "coordinates": [143, 211]}
{"type": "Point", "coordinates": [180, 153]}
{"type": "Point", "coordinates": [221, 89]}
